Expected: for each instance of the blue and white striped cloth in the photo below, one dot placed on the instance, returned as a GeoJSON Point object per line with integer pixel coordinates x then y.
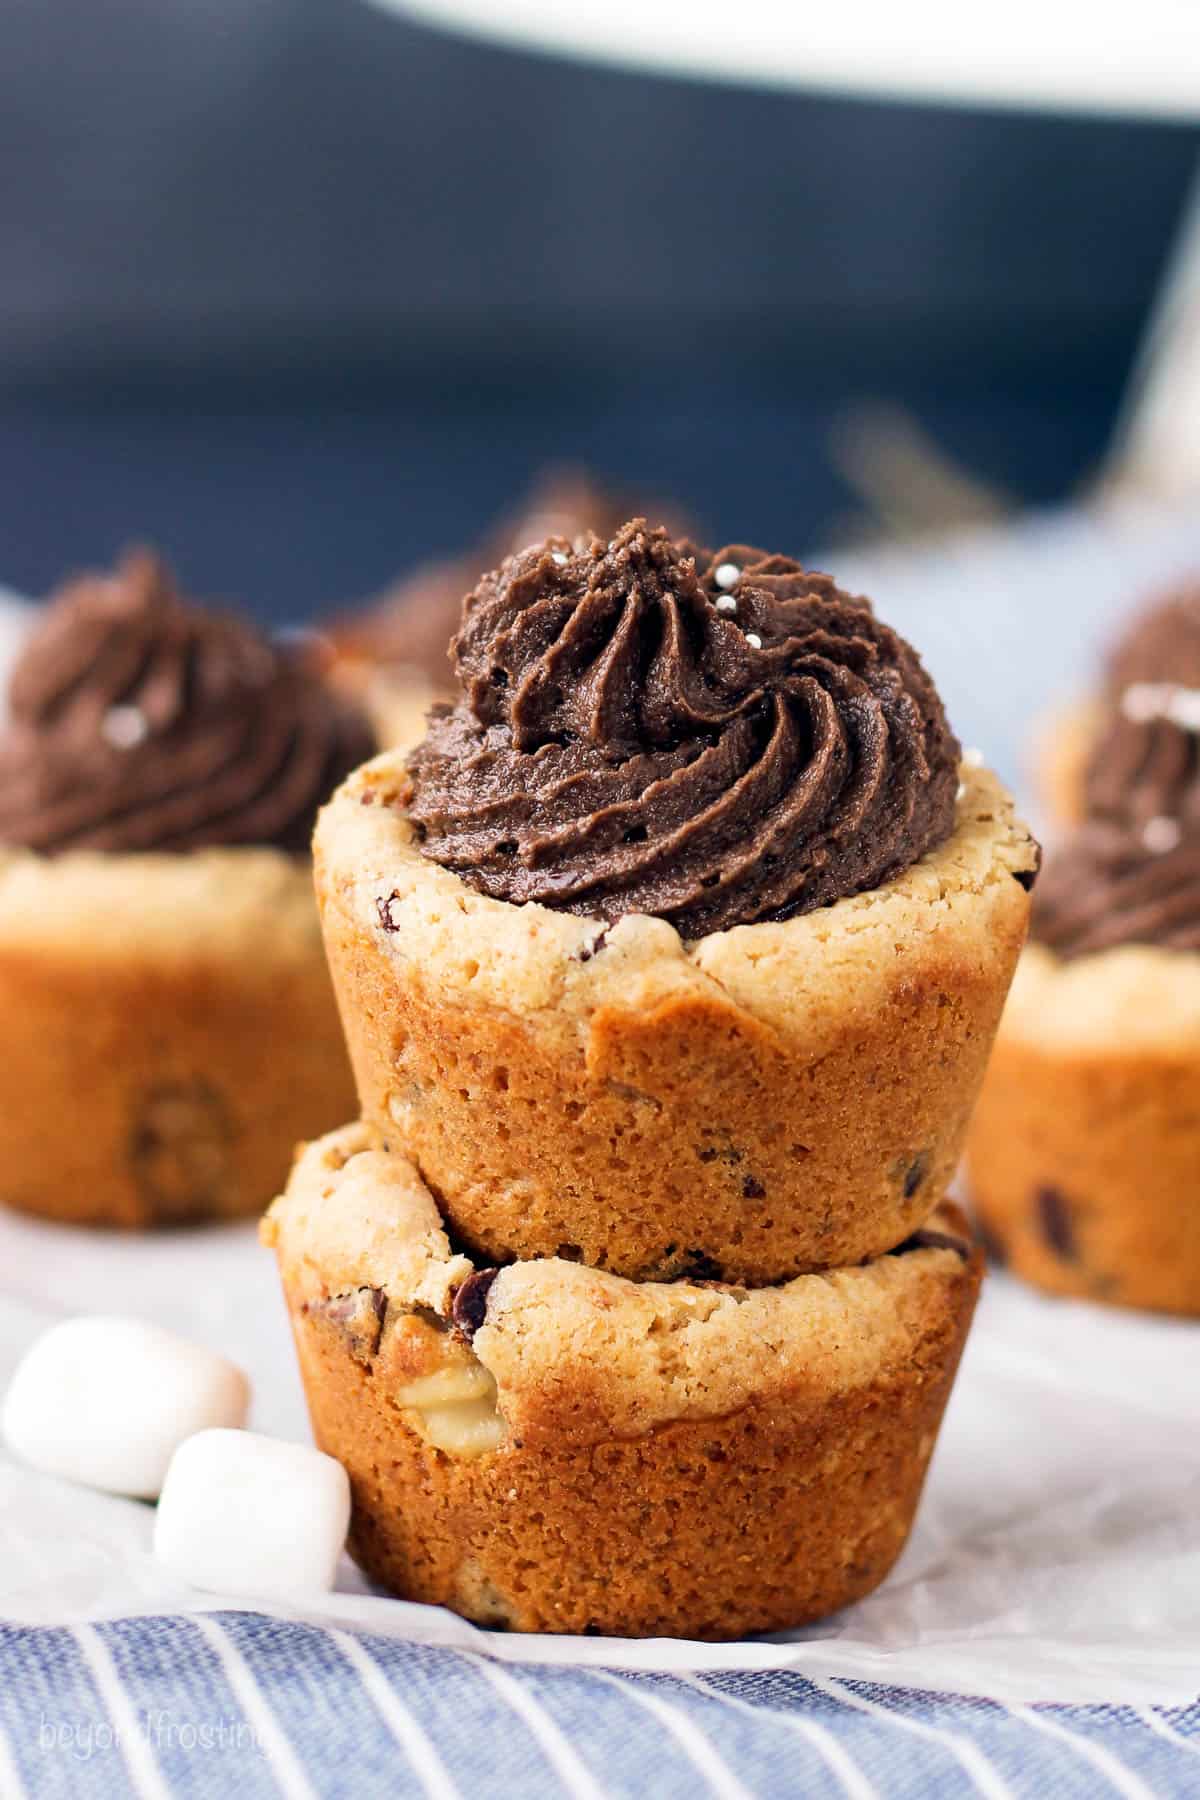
{"type": "Point", "coordinates": [208, 1704]}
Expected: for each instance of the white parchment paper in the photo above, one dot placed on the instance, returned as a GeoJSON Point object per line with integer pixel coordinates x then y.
{"type": "Point", "coordinates": [1056, 1556]}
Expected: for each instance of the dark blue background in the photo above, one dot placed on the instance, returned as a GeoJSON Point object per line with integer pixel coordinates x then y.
{"type": "Point", "coordinates": [302, 292]}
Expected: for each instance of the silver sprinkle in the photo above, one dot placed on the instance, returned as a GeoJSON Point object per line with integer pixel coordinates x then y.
{"type": "Point", "coordinates": [124, 727]}
{"type": "Point", "coordinates": [1161, 834]}
{"type": "Point", "coordinates": [1146, 701]}
{"type": "Point", "coordinates": [754, 641]}
{"type": "Point", "coordinates": [727, 575]}
{"type": "Point", "coordinates": [727, 604]}
{"type": "Point", "coordinates": [559, 556]}
{"type": "Point", "coordinates": [1184, 709]}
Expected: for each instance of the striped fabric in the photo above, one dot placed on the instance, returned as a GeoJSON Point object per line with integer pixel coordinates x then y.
{"type": "Point", "coordinates": [237, 1702]}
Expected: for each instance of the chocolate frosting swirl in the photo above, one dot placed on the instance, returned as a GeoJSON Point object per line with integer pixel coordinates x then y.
{"type": "Point", "coordinates": [1145, 762]}
{"type": "Point", "coordinates": [1143, 765]}
{"type": "Point", "coordinates": [1162, 644]}
{"type": "Point", "coordinates": [1130, 874]}
{"type": "Point", "coordinates": [1108, 886]}
{"type": "Point", "coordinates": [714, 738]}
{"type": "Point", "coordinates": [140, 723]}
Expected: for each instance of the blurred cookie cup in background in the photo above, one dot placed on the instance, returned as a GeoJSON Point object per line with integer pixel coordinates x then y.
{"type": "Point", "coordinates": [392, 654]}
{"type": "Point", "coordinates": [1084, 1152]}
{"type": "Point", "coordinates": [171, 1027]}
{"type": "Point", "coordinates": [548, 1447]}
{"type": "Point", "coordinates": [1064, 740]}
{"type": "Point", "coordinates": [678, 946]}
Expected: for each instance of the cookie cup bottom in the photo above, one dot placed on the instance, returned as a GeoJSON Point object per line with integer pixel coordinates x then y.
{"type": "Point", "coordinates": [169, 1034]}
{"type": "Point", "coordinates": [1084, 1149]}
{"type": "Point", "coordinates": [586, 1454]}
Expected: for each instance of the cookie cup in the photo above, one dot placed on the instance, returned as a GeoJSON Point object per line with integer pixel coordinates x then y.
{"type": "Point", "coordinates": [396, 697]}
{"type": "Point", "coordinates": [168, 1034]}
{"type": "Point", "coordinates": [758, 1103]}
{"type": "Point", "coordinates": [603, 1455]}
{"type": "Point", "coordinates": [1065, 740]}
{"type": "Point", "coordinates": [1085, 1147]}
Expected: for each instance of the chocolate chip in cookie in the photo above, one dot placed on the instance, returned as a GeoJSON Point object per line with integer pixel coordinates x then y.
{"type": "Point", "coordinates": [356, 1316]}
{"type": "Point", "coordinates": [915, 1174]}
{"type": "Point", "coordinates": [1057, 1225]}
{"type": "Point", "coordinates": [179, 1150]}
{"type": "Point", "coordinates": [469, 1307]}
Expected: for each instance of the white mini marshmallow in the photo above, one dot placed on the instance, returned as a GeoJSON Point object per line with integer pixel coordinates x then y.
{"type": "Point", "coordinates": [107, 1401]}
{"type": "Point", "coordinates": [252, 1516]}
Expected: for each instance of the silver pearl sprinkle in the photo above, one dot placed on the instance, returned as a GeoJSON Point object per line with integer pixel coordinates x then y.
{"type": "Point", "coordinates": [124, 727]}
{"type": "Point", "coordinates": [727, 604]}
{"type": "Point", "coordinates": [727, 575]}
{"type": "Point", "coordinates": [1145, 701]}
{"type": "Point", "coordinates": [1161, 834]}
{"type": "Point", "coordinates": [754, 641]}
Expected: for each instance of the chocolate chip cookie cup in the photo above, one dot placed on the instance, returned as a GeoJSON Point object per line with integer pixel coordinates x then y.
{"type": "Point", "coordinates": [392, 655]}
{"type": "Point", "coordinates": [547, 1447]}
{"type": "Point", "coordinates": [688, 1093]}
{"type": "Point", "coordinates": [396, 699]}
{"type": "Point", "coordinates": [1066, 741]}
{"type": "Point", "coordinates": [1085, 1146]}
{"type": "Point", "coordinates": [397, 702]}
{"type": "Point", "coordinates": [169, 1030]}
{"type": "Point", "coordinates": [170, 1033]}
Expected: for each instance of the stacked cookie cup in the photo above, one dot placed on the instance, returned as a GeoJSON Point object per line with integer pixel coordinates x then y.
{"type": "Point", "coordinates": [633, 1300]}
